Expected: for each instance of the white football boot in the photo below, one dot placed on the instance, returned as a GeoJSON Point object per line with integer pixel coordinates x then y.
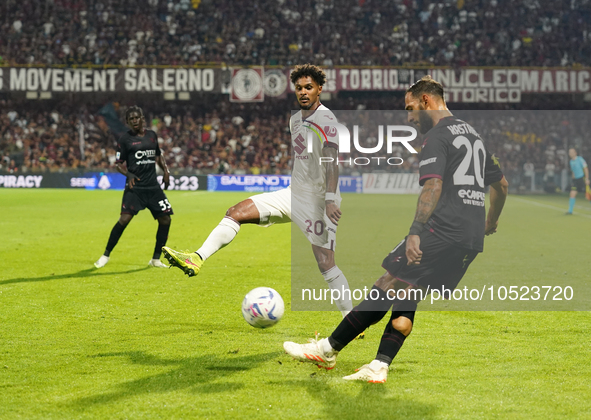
{"type": "Point", "coordinates": [157, 263]}
{"type": "Point", "coordinates": [313, 352]}
{"type": "Point", "coordinates": [376, 372]}
{"type": "Point", "coordinates": [102, 261]}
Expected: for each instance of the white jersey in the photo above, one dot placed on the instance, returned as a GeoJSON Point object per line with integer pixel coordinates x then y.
{"type": "Point", "coordinates": [308, 174]}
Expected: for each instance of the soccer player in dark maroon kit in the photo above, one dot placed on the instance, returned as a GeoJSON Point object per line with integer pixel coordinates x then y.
{"type": "Point", "coordinates": [137, 155]}
{"type": "Point", "coordinates": [446, 236]}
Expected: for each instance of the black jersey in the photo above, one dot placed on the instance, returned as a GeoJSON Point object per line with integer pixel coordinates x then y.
{"type": "Point", "coordinates": [140, 155]}
{"type": "Point", "coordinates": [455, 153]}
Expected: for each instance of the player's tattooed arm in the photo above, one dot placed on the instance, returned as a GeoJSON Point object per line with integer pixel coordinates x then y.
{"type": "Point", "coordinates": [428, 199]}
{"type": "Point", "coordinates": [498, 194]}
{"type": "Point", "coordinates": [162, 163]}
{"type": "Point", "coordinates": [425, 207]}
{"type": "Point", "coordinates": [332, 181]}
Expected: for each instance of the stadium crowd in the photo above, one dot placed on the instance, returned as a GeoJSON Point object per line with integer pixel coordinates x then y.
{"type": "Point", "coordinates": [279, 32]}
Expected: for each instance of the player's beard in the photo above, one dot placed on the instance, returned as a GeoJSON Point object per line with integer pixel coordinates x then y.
{"type": "Point", "coordinates": [306, 107]}
{"type": "Point", "coordinates": [425, 122]}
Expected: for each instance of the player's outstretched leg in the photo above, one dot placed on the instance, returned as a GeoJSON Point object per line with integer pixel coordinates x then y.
{"type": "Point", "coordinates": [116, 233]}
{"type": "Point", "coordinates": [396, 331]}
{"type": "Point", "coordinates": [221, 236]}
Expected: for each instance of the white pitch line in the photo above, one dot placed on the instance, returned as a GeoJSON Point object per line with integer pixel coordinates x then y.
{"type": "Point", "coordinates": [548, 206]}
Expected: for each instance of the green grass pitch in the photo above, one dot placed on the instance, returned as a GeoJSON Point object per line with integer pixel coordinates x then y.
{"type": "Point", "coordinates": [131, 342]}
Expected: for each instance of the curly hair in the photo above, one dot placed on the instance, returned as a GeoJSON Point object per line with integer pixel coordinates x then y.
{"type": "Point", "coordinates": [305, 70]}
{"type": "Point", "coordinates": [131, 109]}
{"type": "Point", "coordinates": [426, 85]}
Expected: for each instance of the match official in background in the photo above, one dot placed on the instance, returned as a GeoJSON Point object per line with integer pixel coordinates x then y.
{"type": "Point", "coordinates": [580, 172]}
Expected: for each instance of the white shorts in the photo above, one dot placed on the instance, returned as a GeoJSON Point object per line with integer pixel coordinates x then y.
{"type": "Point", "coordinates": [305, 210]}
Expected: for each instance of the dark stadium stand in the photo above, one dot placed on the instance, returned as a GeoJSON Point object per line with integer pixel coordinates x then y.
{"type": "Point", "coordinates": [270, 32]}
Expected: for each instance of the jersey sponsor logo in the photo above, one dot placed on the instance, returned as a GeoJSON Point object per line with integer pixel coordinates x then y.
{"type": "Point", "coordinates": [472, 197]}
{"type": "Point", "coordinates": [427, 161]}
{"type": "Point", "coordinates": [476, 195]}
{"type": "Point", "coordinates": [298, 144]}
{"type": "Point", "coordinates": [118, 156]}
{"type": "Point", "coordinates": [140, 154]}
{"type": "Point", "coordinates": [145, 162]}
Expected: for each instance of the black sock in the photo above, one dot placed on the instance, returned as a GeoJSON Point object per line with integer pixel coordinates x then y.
{"type": "Point", "coordinates": [116, 233]}
{"type": "Point", "coordinates": [362, 316]}
{"type": "Point", "coordinates": [161, 238]}
{"type": "Point", "coordinates": [392, 339]}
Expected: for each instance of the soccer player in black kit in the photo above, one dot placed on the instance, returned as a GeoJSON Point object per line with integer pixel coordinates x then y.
{"type": "Point", "coordinates": [446, 235]}
{"type": "Point", "coordinates": [138, 149]}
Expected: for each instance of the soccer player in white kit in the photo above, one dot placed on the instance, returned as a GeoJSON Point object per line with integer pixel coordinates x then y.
{"type": "Point", "coordinates": [312, 201]}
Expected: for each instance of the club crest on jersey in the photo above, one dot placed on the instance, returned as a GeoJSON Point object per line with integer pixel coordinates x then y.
{"type": "Point", "coordinates": [331, 131]}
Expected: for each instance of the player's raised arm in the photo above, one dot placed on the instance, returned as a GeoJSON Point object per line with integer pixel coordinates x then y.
{"type": "Point", "coordinates": [498, 195]}
{"type": "Point", "coordinates": [332, 181]}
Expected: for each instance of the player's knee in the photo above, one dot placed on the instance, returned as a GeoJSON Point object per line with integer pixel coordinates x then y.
{"type": "Point", "coordinates": [402, 324]}
{"type": "Point", "coordinates": [324, 266]}
{"type": "Point", "coordinates": [125, 219]}
{"type": "Point", "coordinates": [325, 261]}
{"type": "Point", "coordinates": [235, 213]}
{"type": "Point", "coordinates": [164, 220]}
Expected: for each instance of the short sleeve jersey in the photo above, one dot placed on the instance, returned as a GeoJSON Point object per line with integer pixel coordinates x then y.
{"type": "Point", "coordinates": [308, 174]}
{"type": "Point", "coordinates": [139, 153]}
{"type": "Point", "coordinates": [455, 153]}
{"type": "Point", "coordinates": [577, 166]}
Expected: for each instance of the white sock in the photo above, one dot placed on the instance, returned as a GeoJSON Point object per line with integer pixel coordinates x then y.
{"type": "Point", "coordinates": [376, 365]}
{"type": "Point", "coordinates": [221, 236]}
{"type": "Point", "coordinates": [337, 281]}
{"type": "Point", "coordinates": [326, 347]}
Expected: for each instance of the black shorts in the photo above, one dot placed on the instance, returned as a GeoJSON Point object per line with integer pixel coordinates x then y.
{"type": "Point", "coordinates": [578, 185]}
{"type": "Point", "coordinates": [443, 264]}
{"type": "Point", "coordinates": [135, 200]}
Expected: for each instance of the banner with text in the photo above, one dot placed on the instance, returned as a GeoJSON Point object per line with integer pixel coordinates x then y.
{"type": "Point", "coordinates": [267, 183]}
{"type": "Point", "coordinates": [93, 181]}
{"type": "Point", "coordinates": [25, 79]}
{"type": "Point", "coordinates": [393, 183]}
{"type": "Point", "coordinates": [252, 84]}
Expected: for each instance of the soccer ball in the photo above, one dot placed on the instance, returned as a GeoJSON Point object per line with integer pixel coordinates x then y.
{"type": "Point", "coordinates": [262, 307]}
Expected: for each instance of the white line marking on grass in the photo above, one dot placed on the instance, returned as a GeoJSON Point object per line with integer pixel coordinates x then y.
{"type": "Point", "coordinates": [548, 206]}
